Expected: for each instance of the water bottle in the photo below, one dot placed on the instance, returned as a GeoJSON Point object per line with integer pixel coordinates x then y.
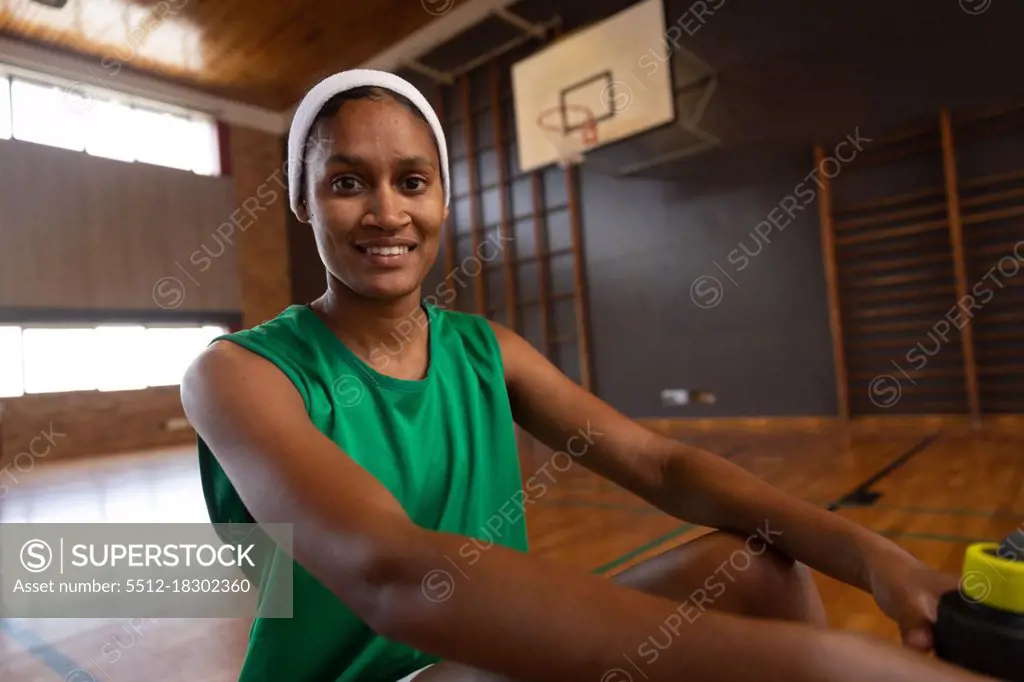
{"type": "Point", "coordinates": [980, 626]}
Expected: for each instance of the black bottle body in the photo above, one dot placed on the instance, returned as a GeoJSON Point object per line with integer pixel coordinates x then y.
{"type": "Point", "coordinates": [980, 638]}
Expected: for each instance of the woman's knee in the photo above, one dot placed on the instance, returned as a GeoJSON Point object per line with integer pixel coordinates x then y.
{"type": "Point", "coordinates": [726, 572]}
{"type": "Point", "coordinates": [781, 588]}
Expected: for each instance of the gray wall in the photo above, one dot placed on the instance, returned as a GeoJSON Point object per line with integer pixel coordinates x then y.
{"type": "Point", "coordinates": [759, 340]}
{"type": "Point", "coordinates": [84, 233]}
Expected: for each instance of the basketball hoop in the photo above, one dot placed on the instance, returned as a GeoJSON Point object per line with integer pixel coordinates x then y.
{"type": "Point", "coordinates": [571, 129]}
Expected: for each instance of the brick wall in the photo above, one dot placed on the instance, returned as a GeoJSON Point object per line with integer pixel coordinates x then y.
{"type": "Point", "coordinates": [91, 422]}
{"type": "Point", "coordinates": [261, 183]}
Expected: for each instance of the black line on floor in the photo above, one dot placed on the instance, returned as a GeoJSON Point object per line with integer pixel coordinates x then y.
{"type": "Point", "coordinates": [729, 453]}
{"type": "Point", "coordinates": [862, 495]}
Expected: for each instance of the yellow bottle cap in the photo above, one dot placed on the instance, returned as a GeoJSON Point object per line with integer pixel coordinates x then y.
{"type": "Point", "coordinates": [991, 579]}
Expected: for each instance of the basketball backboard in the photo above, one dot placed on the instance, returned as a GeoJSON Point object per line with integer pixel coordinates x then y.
{"type": "Point", "coordinates": [602, 84]}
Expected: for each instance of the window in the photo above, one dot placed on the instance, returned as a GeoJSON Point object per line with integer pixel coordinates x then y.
{"type": "Point", "coordinates": [39, 114]}
{"type": "Point", "coordinates": [12, 380]}
{"type": "Point", "coordinates": [5, 109]}
{"type": "Point", "coordinates": [78, 117]}
{"type": "Point", "coordinates": [103, 358]}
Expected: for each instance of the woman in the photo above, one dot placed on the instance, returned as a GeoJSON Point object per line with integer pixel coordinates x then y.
{"type": "Point", "coordinates": [381, 427]}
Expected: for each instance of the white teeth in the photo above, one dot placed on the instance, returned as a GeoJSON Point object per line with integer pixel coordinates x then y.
{"type": "Point", "coordinates": [388, 250]}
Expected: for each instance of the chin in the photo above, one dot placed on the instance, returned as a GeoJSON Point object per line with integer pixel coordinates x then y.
{"type": "Point", "coordinates": [391, 287]}
{"type": "Point", "coordinates": [381, 278]}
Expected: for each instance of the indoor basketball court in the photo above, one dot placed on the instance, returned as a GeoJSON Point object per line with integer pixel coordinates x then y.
{"type": "Point", "coordinates": [790, 236]}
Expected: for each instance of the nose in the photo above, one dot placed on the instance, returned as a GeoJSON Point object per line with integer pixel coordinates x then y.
{"type": "Point", "coordinates": [387, 209]}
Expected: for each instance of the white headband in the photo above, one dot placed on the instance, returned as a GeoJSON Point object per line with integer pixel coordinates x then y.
{"type": "Point", "coordinates": [318, 96]}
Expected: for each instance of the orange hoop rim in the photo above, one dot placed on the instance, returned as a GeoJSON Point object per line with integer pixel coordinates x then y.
{"type": "Point", "coordinates": [588, 128]}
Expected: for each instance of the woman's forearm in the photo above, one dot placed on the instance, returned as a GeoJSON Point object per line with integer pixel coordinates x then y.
{"type": "Point", "coordinates": [534, 619]}
{"type": "Point", "coordinates": [706, 489]}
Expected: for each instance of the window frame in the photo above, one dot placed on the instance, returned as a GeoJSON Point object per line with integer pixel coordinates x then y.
{"type": "Point", "coordinates": [10, 73]}
{"type": "Point", "coordinates": [69, 320]}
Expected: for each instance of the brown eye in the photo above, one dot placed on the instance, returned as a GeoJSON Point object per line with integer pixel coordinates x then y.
{"type": "Point", "coordinates": [345, 183]}
{"type": "Point", "coordinates": [415, 184]}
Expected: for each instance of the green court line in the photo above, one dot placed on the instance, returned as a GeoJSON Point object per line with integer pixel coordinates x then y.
{"type": "Point", "coordinates": [62, 666]}
{"type": "Point", "coordinates": [895, 534]}
{"type": "Point", "coordinates": [640, 509]}
{"type": "Point", "coordinates": [936, 537]}
{"type": "Point", "coordinates": [602, 505]}
{"type": "Point", "coordinates": [611, 565]}
{"type": "Point", "coordinates": [981, 513]}
{"type": "Point", "coordinates": [938, 511]}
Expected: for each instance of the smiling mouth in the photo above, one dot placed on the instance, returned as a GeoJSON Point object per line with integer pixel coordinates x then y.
{"type": "Point", "coordinates": [387, 251]}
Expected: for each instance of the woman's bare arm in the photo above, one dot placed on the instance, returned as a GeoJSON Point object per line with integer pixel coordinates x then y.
{"type": "Point", "coordinates": [500, 610]}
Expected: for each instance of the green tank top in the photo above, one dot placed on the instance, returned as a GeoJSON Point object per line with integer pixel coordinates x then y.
{"type": "Point", "coordinates": [444, 446]}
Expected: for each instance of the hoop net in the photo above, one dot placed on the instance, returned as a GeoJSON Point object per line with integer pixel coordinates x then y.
{"type": "Point", "coordinates": [572, 136]}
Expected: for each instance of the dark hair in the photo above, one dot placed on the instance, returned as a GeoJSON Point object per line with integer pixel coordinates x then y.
{"type": "Point", "coordinates": [333, 106]}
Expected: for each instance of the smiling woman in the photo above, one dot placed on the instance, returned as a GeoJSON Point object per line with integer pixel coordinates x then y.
{"type": "Point", "coordinates": [409, 394]}
{"type": "Point", "coordinates": [387, 471]}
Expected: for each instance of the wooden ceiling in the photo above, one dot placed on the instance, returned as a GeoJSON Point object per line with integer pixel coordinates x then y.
{"type": "Point", "coordinates": [262, 52]}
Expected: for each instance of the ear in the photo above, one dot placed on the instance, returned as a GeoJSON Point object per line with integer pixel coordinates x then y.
{"type": "Point", "coordinates": [303, 212]}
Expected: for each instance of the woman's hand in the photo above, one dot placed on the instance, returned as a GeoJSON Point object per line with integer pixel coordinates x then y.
{"type": "Point", "coordinates": [908, 591]}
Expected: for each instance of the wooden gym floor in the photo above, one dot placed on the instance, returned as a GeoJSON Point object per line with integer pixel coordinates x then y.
{"type": "Point", "coordinates": [942, 488]}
